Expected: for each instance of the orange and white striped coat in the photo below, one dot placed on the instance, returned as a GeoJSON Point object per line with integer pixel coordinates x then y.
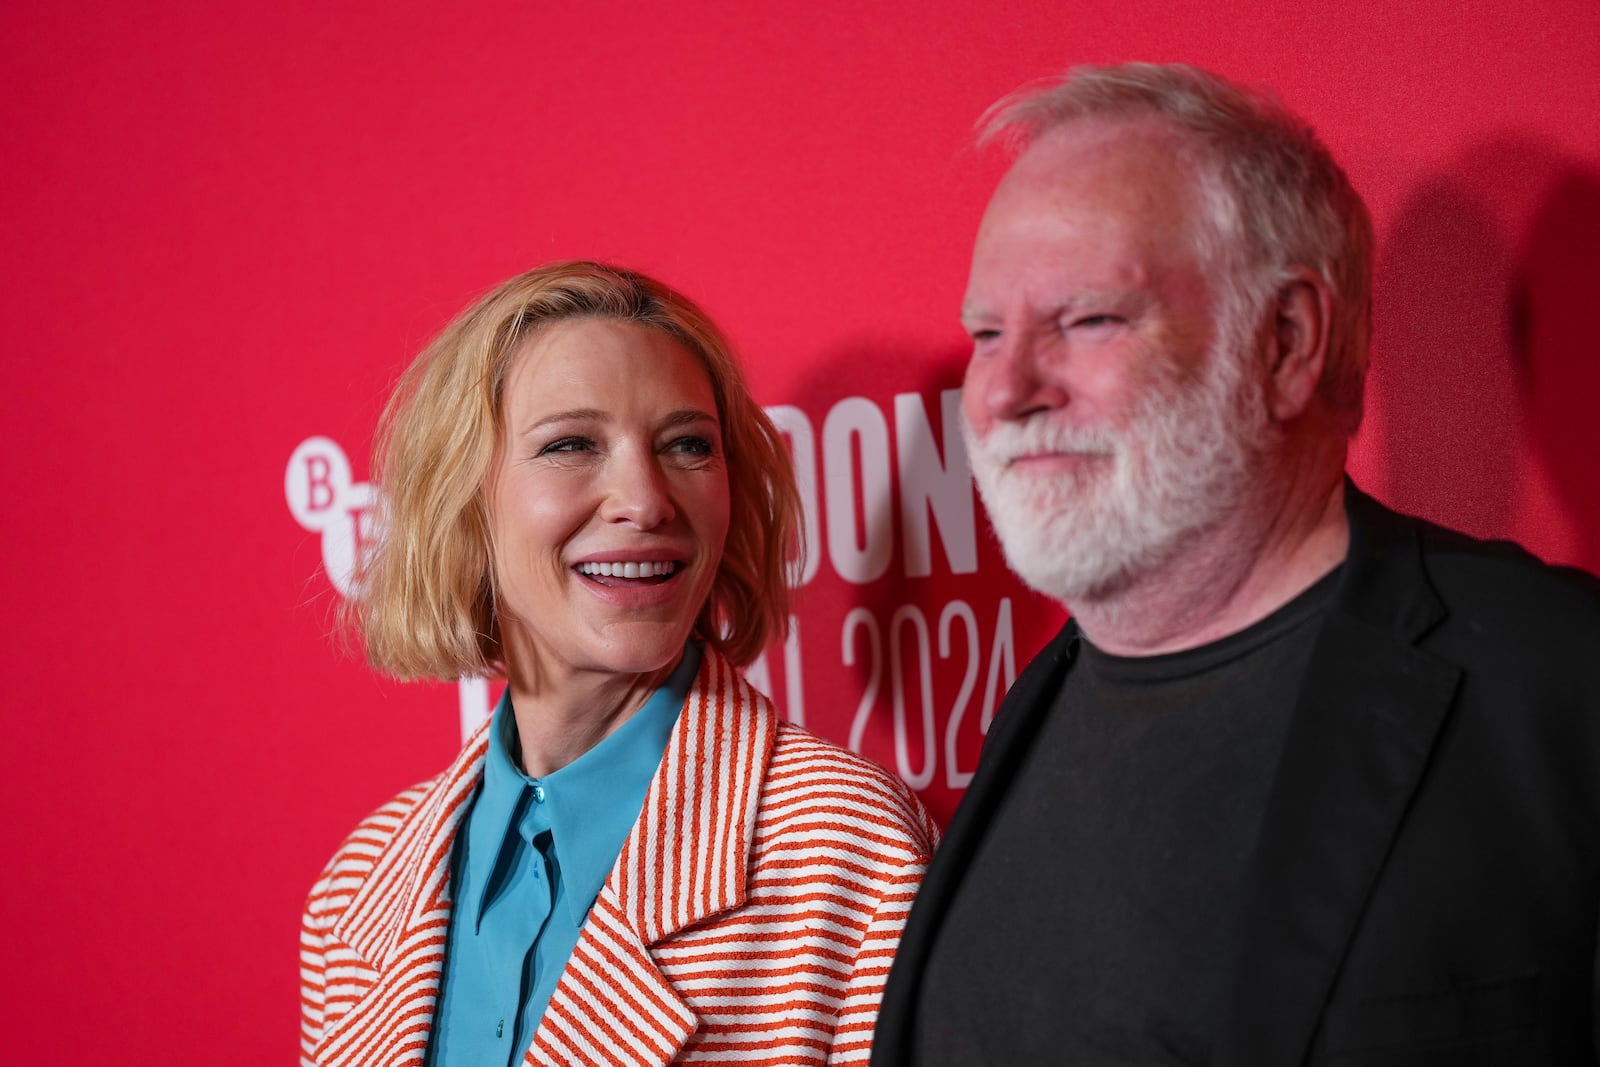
{"type": "Point", "coordinates": [751, 916]}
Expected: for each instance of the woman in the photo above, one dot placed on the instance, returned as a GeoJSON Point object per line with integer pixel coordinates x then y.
{"type": "Point", "coordinates": [635, 861]}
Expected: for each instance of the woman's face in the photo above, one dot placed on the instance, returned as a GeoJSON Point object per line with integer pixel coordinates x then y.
{"type": "Point", "coordinates": [608, 502]}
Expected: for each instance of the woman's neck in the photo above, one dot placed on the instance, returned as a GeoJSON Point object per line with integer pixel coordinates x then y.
{"type": "Point", "coordinates": [563, 713]}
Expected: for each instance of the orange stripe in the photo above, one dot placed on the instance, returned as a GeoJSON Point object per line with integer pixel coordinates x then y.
{"type": "Point", "coordinates": [591, 1021]}
{"type": "Point", "coordinates": [606, 947]}
{"type": "Point", "coordinates": [700, 814]}
{"type": "Point", "coordinates": [736, 711]}
{"type": "Point", "coordinates": [660, 822]}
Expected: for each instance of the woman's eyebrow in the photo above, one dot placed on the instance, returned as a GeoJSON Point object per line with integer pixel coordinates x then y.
{"type": "Point", "coordinates": [573, 415]}
{"type": "Point", "coordinates": [687, 415]}
{"type": "Point", "coordinates": [681, 417]}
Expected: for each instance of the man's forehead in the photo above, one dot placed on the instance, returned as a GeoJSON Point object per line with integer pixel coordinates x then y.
{"type": "Point", "coordinates": [1093, 182]}
{"type": "Point", "coordinates": [1093, 212]}
{"type": "Point", "coordinates": [1135, 158]}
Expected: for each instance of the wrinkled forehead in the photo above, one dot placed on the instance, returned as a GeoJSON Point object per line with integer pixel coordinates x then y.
{"type": "Point", "coordinates": [611, 366]}
{"type": "Point", "coordinates": [1142, 172]}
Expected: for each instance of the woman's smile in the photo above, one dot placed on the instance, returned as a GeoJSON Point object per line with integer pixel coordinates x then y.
{"type": "Point", "coordinates": [609, 505]}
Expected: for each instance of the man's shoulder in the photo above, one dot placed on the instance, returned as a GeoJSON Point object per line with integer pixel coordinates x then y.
{"type": "Point", "coordinates": [1501, 611]}
{"type": "Point", "coordinates": [1467, 570]}
{"type": "Point", "coordinates": [1502, 573]}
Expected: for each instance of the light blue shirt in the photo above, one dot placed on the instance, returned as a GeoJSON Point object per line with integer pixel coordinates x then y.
{"type": "Point", "coordinates": [532, 857]}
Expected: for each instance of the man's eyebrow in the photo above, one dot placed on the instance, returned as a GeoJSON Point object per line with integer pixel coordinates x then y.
{"type": "Point", "coordinates": [1067, 304]}
{"type": "Point", "coordinates": [971, 312]}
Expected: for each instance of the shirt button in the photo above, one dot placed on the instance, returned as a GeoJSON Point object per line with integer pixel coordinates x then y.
{"type": "Point", "coordinates": [538, 794]}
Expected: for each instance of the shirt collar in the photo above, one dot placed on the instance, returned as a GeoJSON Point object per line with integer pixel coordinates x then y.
{"type": "Point", "coordinates": [495, 808]}
{"type": "Point", "coordinates": [592, 802]}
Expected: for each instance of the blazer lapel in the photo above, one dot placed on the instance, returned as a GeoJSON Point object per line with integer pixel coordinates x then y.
{"type": "Point", "coordinates": [685, 860]}
{"type": "Point", "coordinates": [1361, 734]}
{"type": "Point", "coordinates": [398, 923]}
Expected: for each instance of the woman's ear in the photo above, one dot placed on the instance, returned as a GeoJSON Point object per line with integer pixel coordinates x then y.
{"type": "Point", "coordinates": [1298, 352]}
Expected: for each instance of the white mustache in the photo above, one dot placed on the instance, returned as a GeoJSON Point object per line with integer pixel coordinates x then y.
{"type": "Point", "coordinates": [1008, 442]}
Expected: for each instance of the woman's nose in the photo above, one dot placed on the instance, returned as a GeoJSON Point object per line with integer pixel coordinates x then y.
{"type": "Point", "coordinates": [637, 492]}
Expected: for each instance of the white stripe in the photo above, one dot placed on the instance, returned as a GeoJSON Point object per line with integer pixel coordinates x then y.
{"type": "Point", "coordinates": [729, 757]}
{"type": "Point", "coordinates": [619, 939]}
{"type": "Point", "coordinates": [633, 1027]}
{"type": "Point", "coordinates": [692, 794]}
{"type": "Point", "coordinates": [708, 815]}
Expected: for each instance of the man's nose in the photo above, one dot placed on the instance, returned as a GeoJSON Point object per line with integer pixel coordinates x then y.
{"type": "Point", "coordinates": [1015, 380]}
{"type": "Point", "coordinates": [637, 491]}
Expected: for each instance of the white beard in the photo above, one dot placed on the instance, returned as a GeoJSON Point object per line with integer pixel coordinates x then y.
{"type": "Point", "coordinates": [1184, 460]}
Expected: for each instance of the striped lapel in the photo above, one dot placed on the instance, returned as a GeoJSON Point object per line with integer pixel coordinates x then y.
{"type": "Point", "coordinates": [398, 921]}
{"type": "Point", "coordinates": [685, 860]}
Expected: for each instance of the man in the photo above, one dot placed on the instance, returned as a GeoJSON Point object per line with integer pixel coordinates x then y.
{"type": "Point", "coordinates": [1303, 780]}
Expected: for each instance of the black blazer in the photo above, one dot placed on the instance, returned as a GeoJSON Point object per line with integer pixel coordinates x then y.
{"type": "Point", "coordinates": [1425, 888]}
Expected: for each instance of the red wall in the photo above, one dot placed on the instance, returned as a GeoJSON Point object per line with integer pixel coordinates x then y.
{"type": "Point", "coordinates": [228, 225]}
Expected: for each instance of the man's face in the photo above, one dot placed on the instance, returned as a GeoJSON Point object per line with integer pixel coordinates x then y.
{"type": "Point", "coordinates": [1112, 412]}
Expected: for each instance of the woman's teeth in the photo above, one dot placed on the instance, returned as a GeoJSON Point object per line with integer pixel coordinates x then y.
{"type": "Point", "coordinates": [627, 570]}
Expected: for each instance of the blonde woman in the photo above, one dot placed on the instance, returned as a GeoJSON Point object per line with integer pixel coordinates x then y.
{"type": "Point", "coordinates": [635, 861]}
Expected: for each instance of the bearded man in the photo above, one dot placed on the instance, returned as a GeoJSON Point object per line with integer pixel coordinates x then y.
{"type": "Point", "coordinates": [1303, 780]}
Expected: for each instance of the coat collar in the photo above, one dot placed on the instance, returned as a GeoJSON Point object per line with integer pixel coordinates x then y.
{"type": "Point", "coordinates": [407, 892]}
{"type": "Point", "coordinates": [398, 919]}
{"type": "Point", "coordinates": [1362, 731]}
{"type": "Point", "coordinates": [685, 860]}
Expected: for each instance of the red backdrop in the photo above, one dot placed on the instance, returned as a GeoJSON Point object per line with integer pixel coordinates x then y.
{"type": "Point", "coordinates": [227, 226]}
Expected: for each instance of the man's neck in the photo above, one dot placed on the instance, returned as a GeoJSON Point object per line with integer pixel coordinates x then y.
{"type": "Point", "coordinates": [1271, 549]}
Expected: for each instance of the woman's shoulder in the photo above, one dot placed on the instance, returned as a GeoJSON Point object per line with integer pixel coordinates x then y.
{"type": "Point", "coordinates": [364, 846]}
{"type": "Point", "coordinates": [823, 790]}
{"type": "Point", "coordinates": [374, 832]}
{"type": "Point", "coordinates": [418, 818]}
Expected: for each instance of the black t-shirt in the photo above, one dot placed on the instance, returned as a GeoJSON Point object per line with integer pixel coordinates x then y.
{"type": "Point", "coordinates": [1095, 926]}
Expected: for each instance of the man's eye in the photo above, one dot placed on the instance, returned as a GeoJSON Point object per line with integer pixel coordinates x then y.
{"type": "Point", "coordinates": [567, 444]}
{"type": "Point", "coordinates": [1091, 322]}
{"type": "Point", "coordinates": [980, 336]}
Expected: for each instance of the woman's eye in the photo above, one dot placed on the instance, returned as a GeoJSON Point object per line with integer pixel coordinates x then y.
{"type": "Point", "coordinates": [567, 444]}
{"type": "Point", "coordinates": [692, 445]}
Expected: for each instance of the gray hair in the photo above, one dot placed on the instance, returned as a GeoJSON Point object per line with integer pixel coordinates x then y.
{"type": "Point", "coordinates": [1276, 197]}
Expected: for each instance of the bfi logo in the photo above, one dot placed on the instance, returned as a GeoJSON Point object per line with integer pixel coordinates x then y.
{"type": "Point", "coordinates": [325, 499]}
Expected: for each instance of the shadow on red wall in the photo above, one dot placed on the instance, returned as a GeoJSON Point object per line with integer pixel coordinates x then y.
{"type": "Point", "coordinates": [1483, 366]}
{"type": "Point", "coordinates": [1558, 354]}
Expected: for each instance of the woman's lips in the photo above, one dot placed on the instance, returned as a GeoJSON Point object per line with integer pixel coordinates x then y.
{"type": "Point", "coordinates": [631, 580]}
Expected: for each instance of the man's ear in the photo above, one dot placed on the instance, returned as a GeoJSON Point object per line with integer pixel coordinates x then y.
{"type": "Point", "coordinates": [1298, 345]}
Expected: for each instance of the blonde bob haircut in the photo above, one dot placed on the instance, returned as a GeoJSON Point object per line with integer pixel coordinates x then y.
{"type": "Point", "coordinates": [424, 599]}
